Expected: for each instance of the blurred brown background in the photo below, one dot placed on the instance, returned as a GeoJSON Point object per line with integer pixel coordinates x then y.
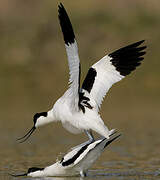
{"type": "Point", "coordinates": [34, 69]}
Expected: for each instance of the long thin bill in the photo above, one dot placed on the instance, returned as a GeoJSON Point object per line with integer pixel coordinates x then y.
{"type": "Point", "coordinates": [18, 175]}
{"type": "Point", "coordinates": [27, 135]}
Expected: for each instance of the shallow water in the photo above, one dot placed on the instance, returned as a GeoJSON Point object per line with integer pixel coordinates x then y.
{"type": "Point", "coordinates": [121, 160]}
{"type": "Point", "coordinates": [34, 73]}
{"type": "Point", "coordinates": [135, 155]}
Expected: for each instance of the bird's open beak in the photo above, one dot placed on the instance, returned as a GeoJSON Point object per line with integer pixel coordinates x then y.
{"type": "Point", "coordinates": [27, 135]}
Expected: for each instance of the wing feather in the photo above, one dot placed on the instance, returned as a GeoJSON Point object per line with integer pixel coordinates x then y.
{"type": "Point", "coordinates": [111, 69]}
{"type": "Point", "coordinates": [72, 54]}
{"type": "Point", "coordinates": [88, 152]}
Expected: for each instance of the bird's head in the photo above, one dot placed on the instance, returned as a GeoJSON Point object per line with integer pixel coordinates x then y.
{"type": "Point", "coordinates": [33, 171]}
{"type": "Point", "coordinates": [39, 119]}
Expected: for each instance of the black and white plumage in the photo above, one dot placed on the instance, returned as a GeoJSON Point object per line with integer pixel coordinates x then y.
{"type": "Point", "coordinates": [78, 108]}
{"type": "Point", "coordinates": [111, 69]}
{"type": "Point", "coordinates": [75, 162]}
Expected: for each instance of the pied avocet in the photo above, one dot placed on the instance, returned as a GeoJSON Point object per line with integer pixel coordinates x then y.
{"type": "Point", "coordinates": [76, 162]}
{"type": "Point", "coordinates": [78, 108]}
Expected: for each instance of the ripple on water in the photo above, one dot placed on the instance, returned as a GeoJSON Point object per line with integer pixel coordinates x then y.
{"type": "Point", "coordinates": [112, 174]}
{"type": "Point", "coordinates": [118, 163]}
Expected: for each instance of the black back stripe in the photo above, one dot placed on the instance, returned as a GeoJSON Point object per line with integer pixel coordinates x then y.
{"type": "Point", "coordinates": [79, 80]}
{"type": "Point", "coordinates": [83, 101]}
{"type": "Point", "coordinates": [66, 25]}
{"type": "Point", "coordinates": [77, 155]}
{"type": "Point", "coordinates": [111, 140]}
{"type": "Point", "coordinates": [74, 158]}
{"type": "Point", "coordinates": [107, 143]}
{"type": "Point", "coordinates": [89, 80]}
{"type": "Point", "coordinates": [87, 85]}
{"type": "Point", "coordinates": [128, 58]}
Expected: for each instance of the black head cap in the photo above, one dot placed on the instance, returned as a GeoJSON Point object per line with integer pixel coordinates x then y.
{"type": "Point", "coordinates": [30, 170]}
{"type": "Point", "coordinates": [28, 134]}
{"type": "Point", "coordinates": [37, 115]}
{"type": "Point", "coordinates": [34, 169]}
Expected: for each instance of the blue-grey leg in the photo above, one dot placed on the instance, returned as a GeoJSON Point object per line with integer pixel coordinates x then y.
{"type": "Point", "coordinates": [90, 135]}
{"type": "Point", "coordinates": [83, 174]}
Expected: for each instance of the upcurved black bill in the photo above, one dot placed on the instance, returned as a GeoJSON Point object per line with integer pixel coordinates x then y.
{"type": "Point", "coordinates": [26, 136]}
{"type": "Point", "coordinates": [17, 175]}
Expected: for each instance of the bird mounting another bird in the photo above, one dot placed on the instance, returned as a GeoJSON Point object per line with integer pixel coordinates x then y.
{"type": "Point", "coordinates": [78, 108]}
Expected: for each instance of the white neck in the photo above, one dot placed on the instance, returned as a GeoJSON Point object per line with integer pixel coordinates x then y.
{"type": "Point", "coordinates": [45, 120]}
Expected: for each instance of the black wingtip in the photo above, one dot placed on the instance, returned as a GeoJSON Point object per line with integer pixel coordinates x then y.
{"type": "Point", "coordinates": [60, 6]}
{"type": "Point", "coordinates": [112, 139]}
{"type": "Point", "coordinates": [128, 58]}
{"type": "Point", "coordinates": [136, 44]}
{"type": "Point", "coordinates": [139, 42]}
{"type": "Point", "coordinates": [66, 26]}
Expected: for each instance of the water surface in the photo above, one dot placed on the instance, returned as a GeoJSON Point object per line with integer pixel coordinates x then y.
{"type": "Point", "coordinates": [34, 73]}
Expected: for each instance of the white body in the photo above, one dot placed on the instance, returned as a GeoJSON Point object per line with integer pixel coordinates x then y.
{"type": "Point", "coordinates": [83, 160]}
{"type": "Point", "coordinates": [78, 108]}
{"type": "Point", "coordinates": [77, 121]}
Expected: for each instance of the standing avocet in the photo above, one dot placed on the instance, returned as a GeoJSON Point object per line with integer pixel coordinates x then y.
{"type": "Point", "coordinates": [76, 162]}
{"type": "Point", "coordinates": [78, 108]}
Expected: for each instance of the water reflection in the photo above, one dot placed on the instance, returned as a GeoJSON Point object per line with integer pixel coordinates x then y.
{"type": "Point", "coordinates": [132, 106]}
{"type": "Point", "coordinates": [114, 174]}
{"type": "Point", "coordinates": [54, 178]}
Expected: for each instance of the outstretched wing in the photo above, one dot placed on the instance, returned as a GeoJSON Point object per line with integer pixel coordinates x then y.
{"type": "Point", "coordinates": [109, 70]}
{"type": "Point", "coordinates": [72, 54]}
